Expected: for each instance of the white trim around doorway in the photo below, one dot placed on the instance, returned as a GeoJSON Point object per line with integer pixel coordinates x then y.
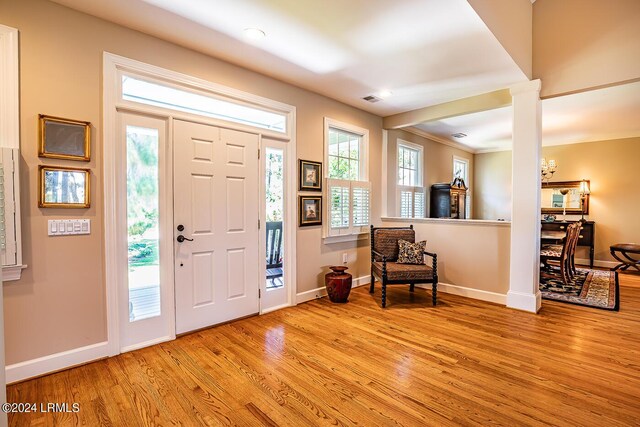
{"type": "Point", "coordinates": [113, 67]}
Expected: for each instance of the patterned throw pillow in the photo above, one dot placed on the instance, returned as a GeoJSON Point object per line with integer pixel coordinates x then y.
{"type": "Point", "coordinates": [411, 253]}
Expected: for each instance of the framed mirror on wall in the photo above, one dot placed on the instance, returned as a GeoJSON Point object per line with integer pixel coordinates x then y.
{"type": "Point", "coordinates": [63, 187]}
{"type": "Point", "coordinates": [556, 196]}
{"type": "Point", "coordinates": [64, 138]}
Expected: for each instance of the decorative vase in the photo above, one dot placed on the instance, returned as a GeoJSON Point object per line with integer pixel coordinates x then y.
{"type": "Point", "coordinates": [338, 284]}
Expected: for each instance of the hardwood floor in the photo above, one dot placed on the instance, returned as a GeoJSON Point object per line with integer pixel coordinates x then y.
{"type": "Point", "coordinates": [464, 362]}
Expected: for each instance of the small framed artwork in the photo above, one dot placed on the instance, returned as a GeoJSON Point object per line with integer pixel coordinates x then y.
{"type": "Point", "coordinates": [309, 210]}
{"type": "Point", "coordinates": [63, 187]}
{"type": "Point", "coordinates": [63, 138]}
{"type": "Point", "coordinates": [310, 178]}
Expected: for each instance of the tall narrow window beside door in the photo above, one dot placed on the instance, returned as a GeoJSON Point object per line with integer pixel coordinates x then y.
{"type": "Point", "coordinates": [142, 223]}
{"type": "Point", "coordinates": [410, 192]}
{"type": "Point", "coordinates": [348, 187]}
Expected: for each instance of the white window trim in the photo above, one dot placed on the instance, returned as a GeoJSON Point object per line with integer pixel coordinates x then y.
{"type": "Point", "coordinates": [467, 182]}
{"type": "Point", "coordinates": [364, 146]}
{"type": "Point", "coordinates": [416, 188]}
{"type": "Point", "coordinates": [420, 149]}
{"type": "Point", "coordinates": [356, 233]}
{"type": "Point", "coordinates": [113, 67]}
{"type": "Point", "coordinates": [10, 139]}
{"type": "Point", "coordinates": [413, 190]}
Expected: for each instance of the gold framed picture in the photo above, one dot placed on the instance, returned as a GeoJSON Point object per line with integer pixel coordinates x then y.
{"type": "Point", "coordinates": [63, 187]}
{"type": "Point", "coordinates": [310, 175]}
{"type": "Point", "coordinates": [309, 210]}
{"type": "Point", "coordinates": [64, 138]}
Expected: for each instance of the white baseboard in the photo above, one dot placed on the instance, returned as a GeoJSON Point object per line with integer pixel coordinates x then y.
{"type": "Point", "coordinates": [56, 362]}
{"type": "Point", "coordinates": [596, 263]}
{"type": "Point", "coordinates": [311, 295]}
{"type": "Point", "coordinates": [524, 301]}
{"type": "Point", "coordinates": [361, 281]}
{"type": "Point", "coordinates": [147, 343]}
{"type": "Point", "coordinates": [468, 292]}
{"type": "Point", "coordinates": [321, 292]}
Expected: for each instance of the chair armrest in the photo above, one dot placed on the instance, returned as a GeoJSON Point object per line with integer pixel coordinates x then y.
{"type": "Point", "coordinates": [376, 253]}
{"type": "Point", "coordinates": [434, 262]}
{"type": "Point", "coordinates": [432, 255]}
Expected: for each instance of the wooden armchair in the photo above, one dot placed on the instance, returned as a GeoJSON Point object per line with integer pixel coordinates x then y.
{"type": "Point", "coordinates": [384, 254]}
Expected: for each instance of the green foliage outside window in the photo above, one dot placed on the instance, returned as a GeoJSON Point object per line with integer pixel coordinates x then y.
{"type": "Point", "coordinates": [142, 196]}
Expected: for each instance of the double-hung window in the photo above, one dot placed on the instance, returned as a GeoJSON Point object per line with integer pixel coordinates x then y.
{"type": "Point", "coordinates": [348, 188]}
{"type": "Point", "coordinates": [461, 170]}
{"type": "Point", "coordinates": [410, 192]}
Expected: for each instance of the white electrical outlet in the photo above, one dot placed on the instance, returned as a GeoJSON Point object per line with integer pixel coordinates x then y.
{"type": "Point", "coordinates": [67, 227]}
{"type": "Point", "coordinates": [344, 258]}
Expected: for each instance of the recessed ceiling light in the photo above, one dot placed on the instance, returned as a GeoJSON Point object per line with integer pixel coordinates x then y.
{"type": "Point", "coordinates": [458, 135]}
{"type": "Point", "coordinates": [254, 34]}
{"type": "Point", "coordinates": [385, 93]}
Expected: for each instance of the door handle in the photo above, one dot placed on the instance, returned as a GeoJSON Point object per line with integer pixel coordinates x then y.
{"type": "Point", "coordinates": [181, 239]}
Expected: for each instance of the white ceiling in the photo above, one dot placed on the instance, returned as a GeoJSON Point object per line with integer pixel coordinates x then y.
{"type": "Point", "coordinates": [425, 51]}
{"type": "Point", "coordinates": [599, 115]}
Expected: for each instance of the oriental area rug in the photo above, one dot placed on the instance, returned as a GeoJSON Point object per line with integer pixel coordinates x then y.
{"type": "Point", "coordinates": [591, 288]}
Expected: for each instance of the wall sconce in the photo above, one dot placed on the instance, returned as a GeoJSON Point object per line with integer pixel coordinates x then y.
{"type": "Point", "coordinates": [547, 169]}
{"type": "Point", "coordinates": [584, 192]}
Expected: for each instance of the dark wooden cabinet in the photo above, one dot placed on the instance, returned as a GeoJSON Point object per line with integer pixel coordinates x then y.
{"type": "Point", "coordinates": [448, 201]}
{"type": "Point", "coordinates": [587, 234]}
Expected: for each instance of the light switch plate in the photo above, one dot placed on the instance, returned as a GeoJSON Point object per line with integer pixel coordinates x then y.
{"type": "Point", "coordinates": [68, 227]}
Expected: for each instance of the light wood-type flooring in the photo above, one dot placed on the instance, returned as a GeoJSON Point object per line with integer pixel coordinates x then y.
{"type": "Point", "coordinates": [464, 362]}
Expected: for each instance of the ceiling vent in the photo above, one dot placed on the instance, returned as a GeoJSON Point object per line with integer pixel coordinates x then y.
{"type": "Point", "coordinates": [458, 135]}
{"type": "Point", "coordinates": [372, 98]}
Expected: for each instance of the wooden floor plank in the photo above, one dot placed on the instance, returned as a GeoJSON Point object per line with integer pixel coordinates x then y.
{"type": "Point", "coordinates": [463, 362]}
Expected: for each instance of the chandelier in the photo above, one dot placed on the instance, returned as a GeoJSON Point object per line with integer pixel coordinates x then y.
{"type": "Point", "coordinates": [547, 169]}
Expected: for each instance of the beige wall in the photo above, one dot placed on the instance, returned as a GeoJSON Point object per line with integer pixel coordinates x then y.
{"type": "Point", "coordinates": [582, 44]}
{"type": "Point", "coordinates": [615, 196]}
{"type": "Point", "coordinates": [510, 21]}
{"type": "Point", "coordinates": [438, 164]}
{"type": "Point", "coordinates": [59, 304]}
{"type": "Point", "coordinates": [492, 189]}
{"type": "Point", "coordinates": [479, 258]}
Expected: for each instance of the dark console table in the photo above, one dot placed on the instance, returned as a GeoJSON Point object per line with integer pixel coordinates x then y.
{"type": "Point", "coordinates": [587, 234]}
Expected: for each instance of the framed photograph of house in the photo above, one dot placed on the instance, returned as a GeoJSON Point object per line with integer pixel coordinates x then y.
{"type": "Point", "coordinates": [310, 178]}
{"type": "Point", "coordinates": [309, 210]}
{"type": "Point", "coordinates": [63, 187]}
{"type": "Point", "coordinates": [63, 138]}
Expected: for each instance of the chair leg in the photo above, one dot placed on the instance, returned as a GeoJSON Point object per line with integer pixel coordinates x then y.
{"type": "Point", "coordinates": [412, 287]}
{"type": "Point", "coordinates": [434, 292]}
{"type": "Point", "coordinates": [373, 280]}
{"type": "Point", "coordinates": [384, 294]}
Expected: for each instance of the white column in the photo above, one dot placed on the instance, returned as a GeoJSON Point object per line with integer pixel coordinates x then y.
{"type": "Point", "coordinates": [524, 293]}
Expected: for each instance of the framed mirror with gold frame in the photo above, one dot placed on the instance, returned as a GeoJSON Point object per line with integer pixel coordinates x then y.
{"type": "Point", "coordinates": [561, 195]}
{"type": "Point", "coordinates": [63, 187]}
{"type": "Point", "coordinates": [67, 139]}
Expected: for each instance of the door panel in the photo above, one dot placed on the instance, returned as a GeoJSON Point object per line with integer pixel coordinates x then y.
{"type": "Point", "coordinates": [146, 294]}
{"type": "Point", "coordinates": [216, 200]}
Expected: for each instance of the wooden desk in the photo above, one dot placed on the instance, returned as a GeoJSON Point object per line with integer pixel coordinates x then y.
{"type": "Point", "coordinates": [587, 234]}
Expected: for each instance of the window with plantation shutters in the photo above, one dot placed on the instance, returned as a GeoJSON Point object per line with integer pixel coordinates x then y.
{"type": "Point", "coordinates": [410, 193]}
{"type": "Point", "coordinates": [412, 201]}
{"type": "Point", "coordinates": [348, 190]}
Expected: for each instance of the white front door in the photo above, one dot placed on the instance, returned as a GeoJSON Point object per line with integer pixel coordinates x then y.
{"type": "Point", "coordinates": [216, 203]}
